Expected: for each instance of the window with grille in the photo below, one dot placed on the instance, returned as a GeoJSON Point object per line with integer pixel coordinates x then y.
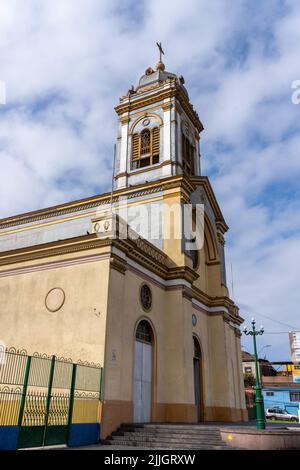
{"type": "Point", "coordinates": [145, 148]}
{"type": "Point", "coordinates": [143, 332]}
{"type": "Point", "coordinates": [294, 396]}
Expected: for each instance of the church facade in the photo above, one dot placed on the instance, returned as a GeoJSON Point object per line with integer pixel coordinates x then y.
{"type": "Point", "coordinates": [108, 279]}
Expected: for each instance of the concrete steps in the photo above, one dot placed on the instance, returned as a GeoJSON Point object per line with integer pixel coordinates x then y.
{"type": "Point", "coordinates": [167, 436]}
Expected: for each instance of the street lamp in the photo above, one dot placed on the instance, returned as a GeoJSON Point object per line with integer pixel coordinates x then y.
{"type": "Point", "coordinates": [261, 349]}
{"type": "Point", "coordinates": [259, 401]}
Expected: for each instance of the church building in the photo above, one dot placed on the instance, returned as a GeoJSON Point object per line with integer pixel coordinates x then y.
{"type": "Point", "coordinates": [107, 279]}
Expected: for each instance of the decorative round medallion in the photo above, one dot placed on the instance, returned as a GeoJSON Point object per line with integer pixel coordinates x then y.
{"type": "Point", "coordinates": [146, 297]}
{"type": "Point", "coordinates": [146, 122]}
{"type": "Point", "coordinates": [55, 299]}
{"type": "Point", "coordinates": [149, 71]}
{"type": "Point", "coordinates": [106, 225]}
{"type": "Point", "coordinates": [194, 320]}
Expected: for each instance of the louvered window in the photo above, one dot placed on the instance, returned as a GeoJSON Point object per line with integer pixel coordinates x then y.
{"type": "Point", "coordinates": [145, 148]}
{"type": "Point", "coordinates": [155, 145]}
{"type": "Point", "coordinates": [188, 156]}
{"type": "Point", "coordinates": [135, 147]}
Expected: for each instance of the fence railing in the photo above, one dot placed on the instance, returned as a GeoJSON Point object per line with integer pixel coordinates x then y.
{"type": "Point", "coordinates": [47, 391]}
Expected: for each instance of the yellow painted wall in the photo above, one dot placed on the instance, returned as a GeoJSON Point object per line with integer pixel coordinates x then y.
{"type": "Point", "coordinates": [77, 330]}
{"type": "Point", "coordinates": [171, 318]}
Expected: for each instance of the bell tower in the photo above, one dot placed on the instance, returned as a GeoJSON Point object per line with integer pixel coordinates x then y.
{"type": "Point", "coordinates": [159, 130]}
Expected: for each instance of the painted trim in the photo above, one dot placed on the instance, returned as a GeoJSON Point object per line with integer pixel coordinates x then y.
{"type": "Point", "coordinates": [144, 116]}
{"type": "Point", "coordinates": [9, 436]}
{"type": "Point", "coordinates": [54, 264]}
{"type": "Point", "coordinates": [84, 434]}
{"type": "Point", "coordinates": [199, 304]}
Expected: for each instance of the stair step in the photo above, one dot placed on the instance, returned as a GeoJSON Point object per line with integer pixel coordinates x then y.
{"type": "Point", "coordinates": [167, 436]}
{"type": "Point", "coordinates": [145, 437]}
{"type": "Point", "coordinates": [168, 431]}
{"type": "Point", "coordinates": [169, 443]}
{"type": "Point", "coordinates": [186, 427]}
{"type": "Point", "coordinates": [167, 446]}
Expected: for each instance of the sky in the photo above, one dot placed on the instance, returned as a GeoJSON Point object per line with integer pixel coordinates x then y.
{"type": "Point", "coordinates": [65, 64]}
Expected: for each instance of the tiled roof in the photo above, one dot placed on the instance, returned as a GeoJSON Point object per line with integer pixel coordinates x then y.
{"type": "Point", "coordinates": [247, 357]}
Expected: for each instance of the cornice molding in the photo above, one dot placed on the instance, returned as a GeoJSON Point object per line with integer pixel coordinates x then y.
{"type": "Point", "coordinates": [205, 183]}
{"type": "Point", "coordinates": [138, 190]}
{"type": "Point", "coordinates": [174, 91]}
{"type": "Point", "coordinates": [118, 264]}
{"type": "Point", "coordinates": [167, 106]}
{"type": "Point", "coordinates": [221, 301]}
{"type": "Point", "coordinates": [187, 184]}
{"type": "Point", "coordinates": [124, 120]}
{"type": "Point", "coordinates": [140, 251]}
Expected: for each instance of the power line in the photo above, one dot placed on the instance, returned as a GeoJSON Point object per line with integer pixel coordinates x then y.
{"type": "Point", "coordinates": [277, 321]}
{"type": "Point", "coordinates": [276, 332]}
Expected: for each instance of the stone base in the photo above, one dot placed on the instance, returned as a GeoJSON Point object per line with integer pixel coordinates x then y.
{"type": "Point", "coordinates": [225, 414]}
{"type": "Point", "coordinates": [116, 412]}
{"type": "Point", "coordinates": [253, 439]}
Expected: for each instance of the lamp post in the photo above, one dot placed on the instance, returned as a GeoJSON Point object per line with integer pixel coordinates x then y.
{"type": "Point", "coordinates": [259, 401]}
{"type": "Point", "coordinates": [261, 349]}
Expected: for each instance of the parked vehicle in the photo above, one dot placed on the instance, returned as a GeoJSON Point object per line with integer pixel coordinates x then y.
{"type": "Point", "coordinates": [278, 414]}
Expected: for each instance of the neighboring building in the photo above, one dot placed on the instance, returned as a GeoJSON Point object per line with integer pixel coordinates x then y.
{"type": "Point", "coordinates": [288, 369]}
{"type": "Point", "coordinates": [157, 316]}
{"type": "Point", "coordinates": [279, 387]}
{"type": "Point", "coordinates": [286, 398]}
{"type": "Point", "coordinates": [265, 367]}
{"type": "Point", "coordinates": [284, 389]}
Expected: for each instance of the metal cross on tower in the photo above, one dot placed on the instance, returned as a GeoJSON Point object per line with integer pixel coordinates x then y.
{"type": "Point", "coordinates": [160, 50]}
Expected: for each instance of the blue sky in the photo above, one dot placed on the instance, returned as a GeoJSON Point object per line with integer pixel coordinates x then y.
{"type": "Point", "coordinates": [65, 65]}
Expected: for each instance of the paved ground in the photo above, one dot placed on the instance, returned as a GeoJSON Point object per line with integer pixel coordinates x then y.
{"type": "Point", "coordinates": [224, 425]}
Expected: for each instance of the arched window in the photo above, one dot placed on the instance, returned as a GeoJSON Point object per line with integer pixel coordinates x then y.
{"type": "Point", "coordinates": [197, 350]}
{"type": "Point", "coordinates": [198, 380]}
{"type": "Point", "coordinates": [144, 332]}
{"type": "Point", "coordinates": [145, 148]}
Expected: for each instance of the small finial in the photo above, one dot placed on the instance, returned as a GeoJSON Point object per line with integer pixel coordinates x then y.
{"type": "Point", "coordinates": [160, 65]}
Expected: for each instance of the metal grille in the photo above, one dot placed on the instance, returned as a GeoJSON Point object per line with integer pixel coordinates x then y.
{"type": "Point", "coordinates": [44, 395]}
{"type": "Point", "coordinates": [145, 142]}
{"type": "Point", "coordinates": [143, 332]}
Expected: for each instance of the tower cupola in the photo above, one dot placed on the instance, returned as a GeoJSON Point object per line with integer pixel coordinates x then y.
{"type": "Point", "coordinates": [159, 130]}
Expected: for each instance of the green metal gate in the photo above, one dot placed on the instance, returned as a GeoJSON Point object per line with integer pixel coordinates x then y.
{"type": "Point", "coordinates": [44, 418]}
{"type": "Point", "coordinates": [39, 395]}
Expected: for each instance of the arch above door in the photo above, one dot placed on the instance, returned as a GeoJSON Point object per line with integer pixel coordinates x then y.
{"type": "Point", "coordinates": [198, 378]}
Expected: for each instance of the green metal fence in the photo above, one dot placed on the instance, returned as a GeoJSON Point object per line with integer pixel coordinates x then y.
{"type": "Point", "coordinates": [46, 400]}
